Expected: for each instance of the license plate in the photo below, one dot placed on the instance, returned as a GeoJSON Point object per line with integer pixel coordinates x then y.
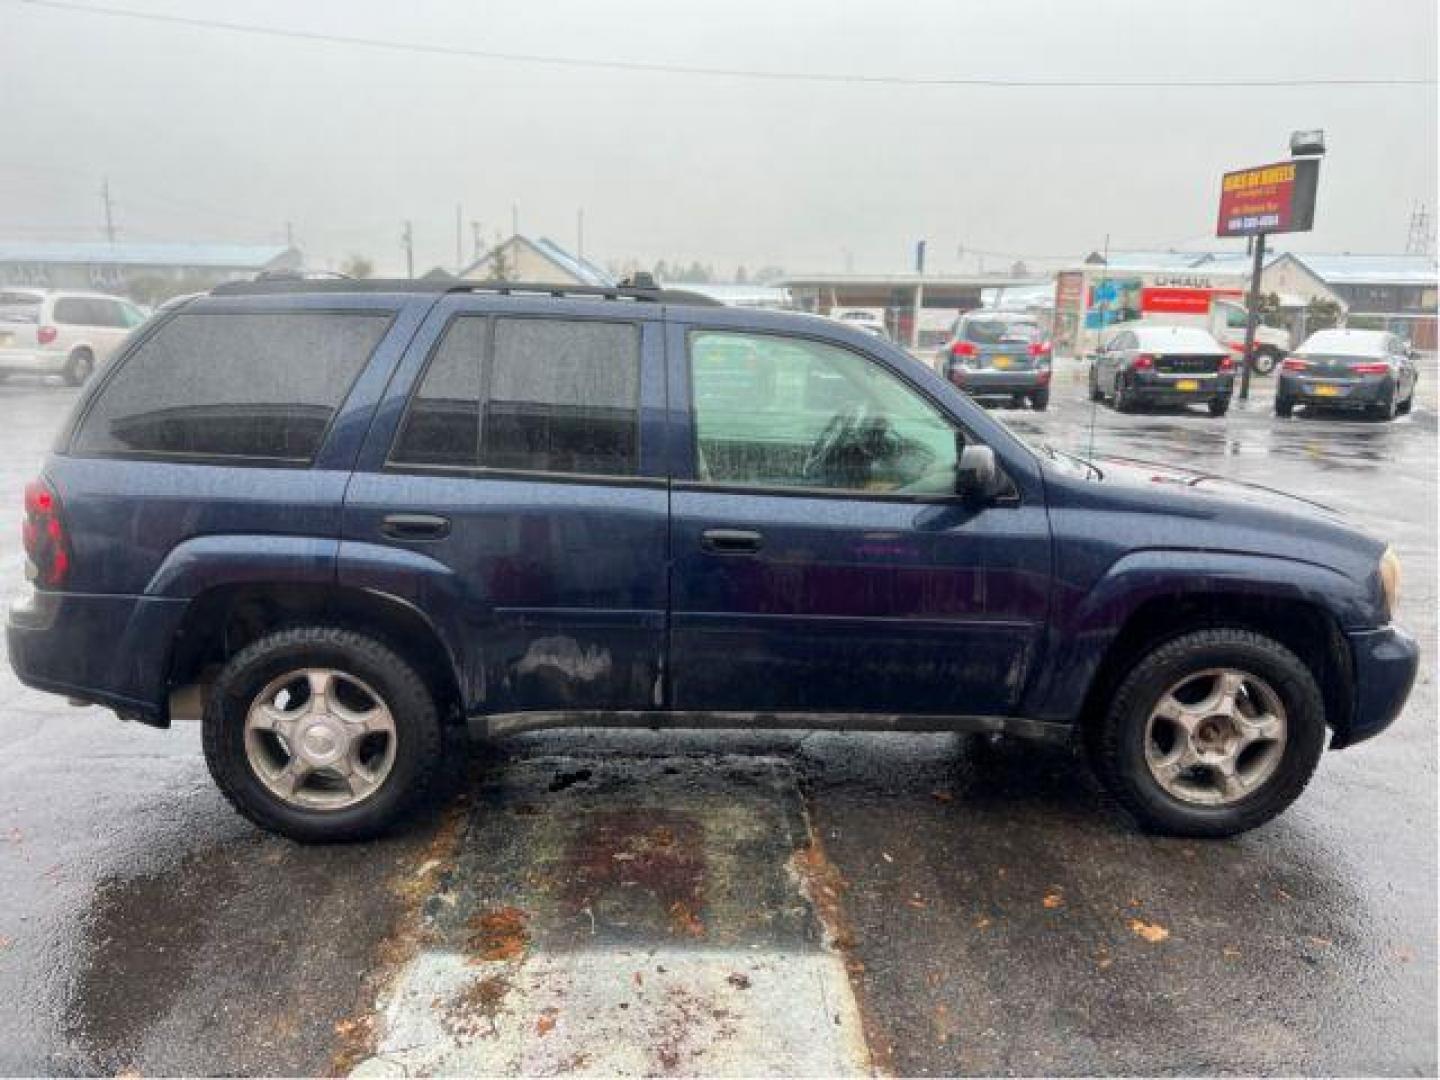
{"type": "Point", "coordinates": [1188, 384]}
{"type": "Point", "coordinates": [1326, 390]}
{"type": "Point", "coordinates": [1002, 361]}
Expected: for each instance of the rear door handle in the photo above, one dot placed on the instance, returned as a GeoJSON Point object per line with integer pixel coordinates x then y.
{"type": "Point", "coordinates": [730, 541]}
{"type": "Point", "coordinates": [415, 526]}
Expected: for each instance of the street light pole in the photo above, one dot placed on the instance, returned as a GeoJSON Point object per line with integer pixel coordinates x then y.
{"type": "Point", "coordinates": [1252, 315]}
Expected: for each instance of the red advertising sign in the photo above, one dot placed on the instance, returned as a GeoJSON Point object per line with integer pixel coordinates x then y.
{"type": "Point", "coordinates": [1172, 301]}
{"type": "Point", "coordinates": [1269, 199]}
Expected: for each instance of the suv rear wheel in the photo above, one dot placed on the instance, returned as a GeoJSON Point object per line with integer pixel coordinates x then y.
{"type": "Point", "coordinates": [79, 367]}
{"type": "Point", "coordinates": [320, 733]}
{"type": "Point", "coordinates": [1211, 734]}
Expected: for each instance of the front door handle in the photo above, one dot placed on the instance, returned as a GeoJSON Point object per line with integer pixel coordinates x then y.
{"type": "Point", "coordinates": [730, 541]}
{"type": "Point", "coordinates": [415, 526]}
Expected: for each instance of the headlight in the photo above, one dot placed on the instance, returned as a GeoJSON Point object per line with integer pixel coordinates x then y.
{"type": "Point", "coordinates": [1390, 579]}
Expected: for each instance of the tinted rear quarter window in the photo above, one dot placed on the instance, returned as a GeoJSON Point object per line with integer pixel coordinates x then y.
{"type": "Point", "coordinates": [261, 386]}
{"type": "Point", "coordinates": [530, 395]}
{"type": "Point", "coordinates": [73, 311]}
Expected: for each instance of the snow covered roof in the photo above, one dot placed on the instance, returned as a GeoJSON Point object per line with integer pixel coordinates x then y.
{"type": "Point", "coordinates": [221, 256]}
{"type": "Point", "coordinates": [1370, 269]}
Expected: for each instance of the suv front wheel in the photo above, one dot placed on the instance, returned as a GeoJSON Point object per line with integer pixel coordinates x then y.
{"type": "Point", "coordinates": [1211, 734]}
{"type": "Point", "coordinates": [320, 734]}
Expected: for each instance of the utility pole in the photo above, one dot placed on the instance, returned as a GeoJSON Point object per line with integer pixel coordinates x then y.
{"type": "Point", "coordinates": [109, 211]}
{"type": "Point", "coordinates": [407, 240]}
{"type": "Point", "coordinates": [475, 241]}
{"type": "Point", "coordinates": [514, 219]}
{"type": "Point", "coordinates": [919, 294]}
{"type": "Point", "coordinates": [289, 234]}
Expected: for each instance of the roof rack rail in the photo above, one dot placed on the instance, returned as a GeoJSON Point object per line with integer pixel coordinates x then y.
{"type": "Point", "coordinates": [645, 290]}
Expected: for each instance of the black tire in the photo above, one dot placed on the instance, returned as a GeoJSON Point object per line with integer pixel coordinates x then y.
{"type": "Point", "coordinates": [1096, 394]}
{"type": "Point", "coordinates": [79, 367]}
{"type": "Point", "coordinates": [1116, 742]}
{"type": "Point", "coordinates": [1387, 409]}
{"type": "Point", "coordinates": [1040, 400]}
{"type": "Point", "coordinates": [1219, 406]}
{"type": "Point", "coordinates": [418, 732]}
{"type": "Point", "coordinates": [1123, 401]}
{"type": "Point", "coordinates": [1284, 407]}
{"type": "Point", "coordinates": [1017, 401]}
{"type": "Point", "coordinates": [1403, 409]}
{"type": "Point", "coordinates": [1264, 361]}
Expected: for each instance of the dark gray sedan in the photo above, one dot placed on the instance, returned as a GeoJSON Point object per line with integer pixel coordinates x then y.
{"type": "Point", "coordinates": [998, 354]}
{"type": "Point", "coordinates": [1368, 371]}
{"type": "Point", "coordinates": [1169, 364]}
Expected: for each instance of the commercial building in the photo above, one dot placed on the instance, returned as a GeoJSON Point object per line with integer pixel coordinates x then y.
{"type": "Point", "coordinates": [938, 299]}
{"type": "Point", "coordinates": [145, 272]}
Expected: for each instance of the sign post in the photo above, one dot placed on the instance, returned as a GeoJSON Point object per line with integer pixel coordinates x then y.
{"type": "Point", "coordinates": [1275, 198]}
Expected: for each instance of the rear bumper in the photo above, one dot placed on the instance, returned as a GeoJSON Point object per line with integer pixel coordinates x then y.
{"type": "Point", "coordinates": [35, 361]}
{"type": "Point", "coordinates": [1000, 383]}
{"type": "Point", "coordinates": [1385, 664]}
{"type": "Point", "coordinates": [1156, 387]}
{"type": "Point", "coordinates": [1335, 393]}
{"type": "Point", "coordinates": [111, 650]}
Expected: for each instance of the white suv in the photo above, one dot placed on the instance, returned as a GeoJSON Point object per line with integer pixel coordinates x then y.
{"type": "Point", "coordinates": [55, 332]}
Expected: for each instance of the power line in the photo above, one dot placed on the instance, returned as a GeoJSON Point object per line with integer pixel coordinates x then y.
{"type": "Point", "coordinates": [712, 72]}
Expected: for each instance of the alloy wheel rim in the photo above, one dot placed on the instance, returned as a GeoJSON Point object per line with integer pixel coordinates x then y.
{"type": "Point", "coordinates": [1215, 736]}
{"type": "Point", "coordinates": [320, 739]}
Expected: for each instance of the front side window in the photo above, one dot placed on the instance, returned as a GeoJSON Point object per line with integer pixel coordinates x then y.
{"type": "Point", "coordinates": [244, 386]}
{"type": "Point", "coordinates": [781, 412]}
{"type": "Point", "coordinates": [529, 395]}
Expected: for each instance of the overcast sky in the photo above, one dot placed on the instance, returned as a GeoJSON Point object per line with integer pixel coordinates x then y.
{"type": "Point", "coordinates": [215, 135]}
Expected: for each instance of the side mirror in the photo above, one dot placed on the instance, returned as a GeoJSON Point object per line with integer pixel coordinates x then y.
{"type": "Point", "coordinates": [976, 472]}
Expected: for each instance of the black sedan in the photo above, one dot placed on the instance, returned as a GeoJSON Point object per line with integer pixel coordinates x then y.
{"type": "Point", "coordinates": [1163, 364]}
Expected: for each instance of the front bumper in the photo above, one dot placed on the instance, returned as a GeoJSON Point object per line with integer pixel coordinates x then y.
{"type": "Point", "coordinates": [1339, 393]}
{"type": "Point", "coordinates": [111, 650]}
{"type": "Point", "coordinates": [32, 361]}
{"type": "Point", "coordinates": [1385, 662]}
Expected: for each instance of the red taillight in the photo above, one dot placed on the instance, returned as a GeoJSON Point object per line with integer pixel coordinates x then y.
{"type": "Point", "coordinates": [1043, 378]}
{"type": "Point", "coordinates": [43, 533]}
{"type": "Point", "coordinates": [46, 334]}
{"type": "Point", "coordinates": [1227, 363]}
{"type": "Point", "coordinates": [1143, 362]}
{"type": "Point", "coordinates": [1041, 348]}
{"type": "Point", "coordinates": [1294, 363]}
{"type": "Point", "coordinates": [1371, 369]}
{"type": "Point", "coordinates": [964, 348]}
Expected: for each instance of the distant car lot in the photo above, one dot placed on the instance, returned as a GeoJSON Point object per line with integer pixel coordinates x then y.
{"type": "Point", "coordinates": [62, 332]}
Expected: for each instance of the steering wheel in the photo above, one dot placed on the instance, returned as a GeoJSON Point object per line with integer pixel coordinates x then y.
{"type": "Point", "coordinates": [834, 434]}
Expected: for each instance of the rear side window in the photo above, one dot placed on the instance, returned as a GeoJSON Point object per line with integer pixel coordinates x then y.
{"type": "Point", "coordinates": [529, 395]}
{"type": "Point", "coordinates": [74, 311]}
{"type": "Point", "coordinates": [1000, 332]}
{"type": "Point", "coordinates": [234, 386]}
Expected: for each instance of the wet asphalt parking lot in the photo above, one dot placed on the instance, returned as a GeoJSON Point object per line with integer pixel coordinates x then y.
{"type": "Point", "coordinates": [659, 903]}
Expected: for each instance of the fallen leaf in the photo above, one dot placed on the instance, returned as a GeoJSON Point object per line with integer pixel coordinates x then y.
{"type": "Point", "coordinates": [982, 923]}
{"type": "Point", "coordinates": [917, 903]}
{"type": "Point", "coordinates": [1230, 952]}
{"type": "Point", "coordinates": [544, 1025]}
{"type": "Point", "coordinates": [942, 796]}
{"type": "Point", "coordinates": [739, 981]}
{"type": "Point", "coordinates": [1321, 941]}
{"type": "Point", "coordinates": [1151, 932]}
{"type": "Point", "coordinates": [886, 856]}
{"type": "Point", "coordinates": [6, 942]}
{"type": "Point", "coordinates": [1053, 899]}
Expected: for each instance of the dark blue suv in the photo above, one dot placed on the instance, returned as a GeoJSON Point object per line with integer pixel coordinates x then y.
{"type": "Point", "coordinates": [340, 518]}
